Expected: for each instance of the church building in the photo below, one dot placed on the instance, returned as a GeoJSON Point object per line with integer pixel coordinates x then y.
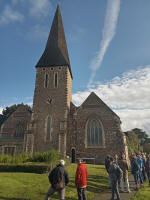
{"type": "Point", "coordinates": [90, 131]}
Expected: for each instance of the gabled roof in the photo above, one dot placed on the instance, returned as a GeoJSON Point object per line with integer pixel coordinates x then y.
{"type": "Point", "coordinates": [94, 100]}
{"type": "Point", "coordinates": [56, 52]}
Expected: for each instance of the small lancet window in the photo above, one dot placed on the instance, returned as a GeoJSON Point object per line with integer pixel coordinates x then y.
{"type": "Point", "coordinates": [48, 128]}
{"type": "Point", "coordinates": [56, 80]}
{"type": "Point", "coordinates": [46, 81]}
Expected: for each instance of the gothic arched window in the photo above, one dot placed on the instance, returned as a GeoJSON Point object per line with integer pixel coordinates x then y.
{"type": "Point", "coordinates": [94, 133]}
{"type": "Point", "coordinates": [48, 128]}
{"type": "Point", "coordinates": [19, 131]}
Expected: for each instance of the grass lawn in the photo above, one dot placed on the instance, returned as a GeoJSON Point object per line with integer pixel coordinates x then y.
{"type": "Point", "coordinates": [143, 193]}
{"type": "Point", "coordinates": [28, 186]}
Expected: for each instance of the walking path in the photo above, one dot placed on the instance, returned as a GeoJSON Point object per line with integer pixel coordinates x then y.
{"type": "Point", "coordinates": [106, 195]}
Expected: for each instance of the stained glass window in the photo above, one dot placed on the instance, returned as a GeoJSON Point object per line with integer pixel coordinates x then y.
{"type": "Point", "coordinates": [19, 132]}
{"type": "Point", "coordinates": [94, 133]}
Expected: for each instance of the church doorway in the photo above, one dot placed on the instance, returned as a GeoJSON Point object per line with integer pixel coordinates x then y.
{"type": "Point", "coordinates": [73, 157]}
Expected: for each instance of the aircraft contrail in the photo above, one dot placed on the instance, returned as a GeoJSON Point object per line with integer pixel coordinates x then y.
{"type": "Point", "coordinates": [109, 30]}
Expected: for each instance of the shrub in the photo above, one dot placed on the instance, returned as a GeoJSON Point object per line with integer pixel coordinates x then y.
{"type": "Point", "coordinates": [5, 158]}
{"type": "Point", "coordinates": [28, 168]}
{"type": "Point", "coordinates": [49, 157]}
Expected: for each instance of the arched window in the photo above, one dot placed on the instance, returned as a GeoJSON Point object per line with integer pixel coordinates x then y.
{"type": "Point", "coordinates": [48, 128]}
{"type": "Point", "coordinates": [94, 133]}
{"type": "Point", "coordinates": [56, 80]}
{"type": "Point", "coordinates": [46, 81]}
{"type": "Point", "coordinates": [19, 131]}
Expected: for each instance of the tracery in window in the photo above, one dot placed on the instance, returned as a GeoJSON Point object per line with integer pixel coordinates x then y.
{"type": "Point", "coordinates": [19, 131]}
{"type": "Point", "coordinates": [94, 133]}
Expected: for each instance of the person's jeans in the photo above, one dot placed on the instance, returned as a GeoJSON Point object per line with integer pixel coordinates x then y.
{"type": "Point", "coordinates": [136, 178]}
{"type": "Point", "coordinates": [141, 177]}
{"type": "Point", "coordinates": [81, 193]}
{"type": "Point", "coordinates": [148, 176]}
{"type": "Point", "coordinates": [115, 189]}
{"type": "Point", "coordinates": [51, 192]}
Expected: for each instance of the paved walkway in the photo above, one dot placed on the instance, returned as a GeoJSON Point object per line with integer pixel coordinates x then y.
{"type": "Point", "coordinates": [106, 195]}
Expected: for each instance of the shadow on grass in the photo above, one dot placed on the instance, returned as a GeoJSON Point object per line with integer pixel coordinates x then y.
{"type": "Point", "coordinates": [10, 198]}
{"type": "Point", "coordinates": [95, 183]}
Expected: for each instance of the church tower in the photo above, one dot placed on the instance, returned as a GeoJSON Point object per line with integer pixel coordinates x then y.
{"type": "Point", "coordinates": [53, 92]}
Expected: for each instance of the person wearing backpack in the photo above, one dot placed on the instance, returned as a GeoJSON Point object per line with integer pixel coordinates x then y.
{"type": "Point", "coordinates": [115, 174]}
{"type": "Point", "coordinates": [58, 179]}
{"type": "Point", "coordinates": [147, 168]}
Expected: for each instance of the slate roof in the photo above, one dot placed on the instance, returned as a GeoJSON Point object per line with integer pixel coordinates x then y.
{"type": "Point", "coordinates": [56, 52]}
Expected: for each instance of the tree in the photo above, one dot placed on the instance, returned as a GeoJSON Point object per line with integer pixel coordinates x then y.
{"type": "Point", "coordinates": [142, 135]}
{"type": "Point", "coordinates": [9, 110]}
{"type": "Point", "coordinates": [133, 142]}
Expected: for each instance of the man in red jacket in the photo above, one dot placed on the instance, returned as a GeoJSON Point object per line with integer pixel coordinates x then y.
{"type": "Point", "coordinates": [81, 180]}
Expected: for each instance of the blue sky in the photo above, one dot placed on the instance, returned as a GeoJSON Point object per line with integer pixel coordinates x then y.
{"type": "Point", "coordinates": [109, 48]}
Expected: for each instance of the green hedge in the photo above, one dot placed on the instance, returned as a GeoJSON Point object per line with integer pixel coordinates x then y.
{"type": "Point", "coordinates": [28, 168]}
{"type": "Point", "coordinates": [51, 156]}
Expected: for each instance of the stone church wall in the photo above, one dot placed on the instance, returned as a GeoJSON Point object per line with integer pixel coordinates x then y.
{"type": "Point", "coordinates": [113, 136]}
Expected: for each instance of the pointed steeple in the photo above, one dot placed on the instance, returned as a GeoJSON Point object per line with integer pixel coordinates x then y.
{"type": "Point", "coordinates": [56, 52]}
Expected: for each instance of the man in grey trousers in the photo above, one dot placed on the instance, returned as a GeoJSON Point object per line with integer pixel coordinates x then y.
{"type": "Point", "coordinates": [58, 178]}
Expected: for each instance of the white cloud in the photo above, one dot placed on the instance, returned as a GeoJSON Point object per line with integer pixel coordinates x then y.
{"type": "Point", "coordinates": [110, 24]}
{"type": "Point", "coordinates": [1, 109]}
{"type": "Point", "coordinates": [9, 15]}
{"type": "Point", "coordinates": [128, 96]}
{"type": "Point", "coordinates": [40, 8]}
{"type": "Point", "coordinates": [135, 119]}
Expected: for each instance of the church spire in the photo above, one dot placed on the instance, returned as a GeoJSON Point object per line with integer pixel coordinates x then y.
{"type": "Point", "coordinates": [56, 52]}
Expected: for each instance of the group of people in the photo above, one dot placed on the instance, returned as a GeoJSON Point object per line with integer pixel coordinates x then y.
{"type": "Point", "coordinates": [140, 167]}
{"type": "Point", "coordinates": [117, 169]}
{"type": "Point", "coordinates": [59, 178]}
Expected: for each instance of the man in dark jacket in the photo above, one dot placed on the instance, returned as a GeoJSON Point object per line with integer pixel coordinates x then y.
{"type": "Point", "coordinates": [135, 170]}
{"type": "Point", "coordinates": [81, 180]}
{"type": "Point", "coordinates": [58, 178]}
{"type": "Point", "coordinates": [115, 174]}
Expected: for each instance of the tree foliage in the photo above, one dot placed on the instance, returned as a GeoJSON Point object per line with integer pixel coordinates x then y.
{"type": "Point", "coordinates": [9, 110]}
{"type": "Point", "coordinates": [137, 140]}
{"type": "Point", "coordinates": [142, 135]}
{"type": "Point", "coordinates": [133, 142]}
